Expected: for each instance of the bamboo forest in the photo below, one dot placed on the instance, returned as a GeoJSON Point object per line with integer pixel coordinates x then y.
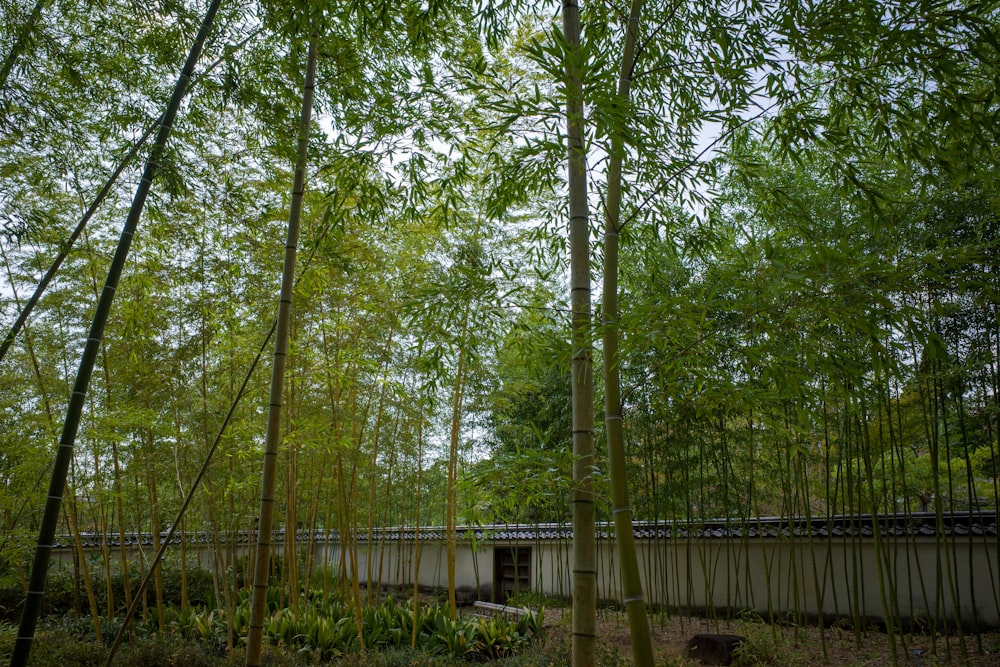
{"type": "Point", "coordinates": [518, 332]}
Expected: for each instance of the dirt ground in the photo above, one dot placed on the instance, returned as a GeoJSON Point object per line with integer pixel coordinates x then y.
{"type": "Point", "coordinates": [785, 645]}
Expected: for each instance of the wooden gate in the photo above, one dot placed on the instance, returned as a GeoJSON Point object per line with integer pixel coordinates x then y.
{"type": "Point", "coordinates": [511, 572]}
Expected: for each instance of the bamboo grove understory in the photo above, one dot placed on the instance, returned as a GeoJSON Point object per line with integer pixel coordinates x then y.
{"type": "Point", "coordinates": [798, 316]}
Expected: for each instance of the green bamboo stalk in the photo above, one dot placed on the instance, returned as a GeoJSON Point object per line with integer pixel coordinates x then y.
{"type": "Point", "coordinates": [584, 542]}
{"type": "Point", "coordinates": [352, 503]}
{"type": "Point", "coordinates": [451, 505]}
{"type": "Point", "coordinates": [23, 37]}
{"type": "Point", "coordinates": [154, 519]}
{"type": "Point", "coordinates": [387, 506]}
{"type": "Point", "coordinates": [923, 391]}
{"type": "Point", "coordinates": [951, 557]}
{"type": "Point", "coordinates": [635, 600]}
{"type": "Point", "coordinates": [258, 606]}
{"type": "Point", "coordinates": [972, 501]}
{"type": "Point", "coordinates": [416, 534]}
{"type": "Point", "coordinates": [289, 560]}
{"type": "Point", "coordinates": [202, 472]}
{"type": "Point", "coordinates": [74, 527]}
{"type": "Point", "coordinates": [856, 562]}
{"type": "Point", "coordinates": [886, 590]}
{"type": "Point", "coordinates": [994, 376]}
{"type": "Point", "coordinates": [893, 558]}
{"type": "Point", "coordinates": [46, 536]}
{"type": "Point", "coordinates": [379, 413]}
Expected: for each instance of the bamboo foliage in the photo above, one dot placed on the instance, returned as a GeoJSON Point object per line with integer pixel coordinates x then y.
{"type": "Point", "coordinates": [24, 37]}
{"type": "Point", "coordinates": [24, 312]}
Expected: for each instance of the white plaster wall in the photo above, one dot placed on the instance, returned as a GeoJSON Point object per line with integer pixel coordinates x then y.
{"type": "Point", "coordinates": [393, 563]}
{"type": "Point", "coordinates": [835, 577]}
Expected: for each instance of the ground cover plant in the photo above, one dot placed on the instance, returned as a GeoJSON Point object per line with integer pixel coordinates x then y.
{"type": "Point", "coordinates": [70, 644]}
{"type": "Point", "coordinates": [320, 633]}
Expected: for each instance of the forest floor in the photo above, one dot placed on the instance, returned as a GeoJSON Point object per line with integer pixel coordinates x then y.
{"type": "Point", "coordinates": [779, 645]}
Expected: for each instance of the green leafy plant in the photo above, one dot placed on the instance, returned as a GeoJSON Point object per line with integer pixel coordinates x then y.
{"type": "Point", "coordinates": [761, 647]}
{"type": "Point", "coordinates": [56, 648]}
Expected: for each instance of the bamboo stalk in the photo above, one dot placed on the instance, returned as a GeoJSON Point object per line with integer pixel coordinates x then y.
{"type": "Point", "coordinates": [373, 468]}
{"type": "Point", "coordinates": [71, 517]}
{"type": "Point", "coordinates": [584, 543]}
{"type": "Point", "coordinates": [635, 599]}
{"type": "Point", "coordinates": [416, 532]}
{"type": "Point", "coordinates": [24, 36]}
{"type": "Point", "coordinates": [258, 607]}
{"type": "Point", "coordinates": [39, 570]}
{"type": "Point", "coordinates": [451, 501]}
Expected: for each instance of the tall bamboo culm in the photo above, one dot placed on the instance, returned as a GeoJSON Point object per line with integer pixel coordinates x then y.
{"type": "Point", "coordinates": [635, 600]}
{"type": "Point", "coordinates": [584, 541]}
{"type": "Point", "coordinates": [64, 454]}
{"type": "Point", "coordinates": [258, 607]}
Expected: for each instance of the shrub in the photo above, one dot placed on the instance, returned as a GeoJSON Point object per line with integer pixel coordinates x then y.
{"type": "Point", "coordinates": [8, 634]}
{"type": "Point", "coordinates": [395, 658]}
{"type": "Point", "coordinates": [269, 658]}
{"type": "Point", "coordinates": [57, 648]}
{"type": "Point", "coordinates": [165, 652]}
{"type": "Point", "coordinates": [11, 602]}
{"type": "Point", "coordinates": [529, 599]}
{"type": "Point", "coordinates": [548, 652]}
{"type": "Point", "coordinates": [64, 594]}
{"type": "Point", "coordinates": [323, 630]}
{"type": "Point", "coordinates": [760, 648]}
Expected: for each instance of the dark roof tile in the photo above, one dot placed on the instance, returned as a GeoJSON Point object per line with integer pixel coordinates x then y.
{"type": "Point", "coordinates": [981, 524]}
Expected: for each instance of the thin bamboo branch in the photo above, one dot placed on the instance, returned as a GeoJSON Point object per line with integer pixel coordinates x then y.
{"type": "Point", "coordinates": [23, 38]}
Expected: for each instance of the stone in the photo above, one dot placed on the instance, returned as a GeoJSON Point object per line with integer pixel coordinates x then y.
{"type": "Point", "coordinates": [712, 649]}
